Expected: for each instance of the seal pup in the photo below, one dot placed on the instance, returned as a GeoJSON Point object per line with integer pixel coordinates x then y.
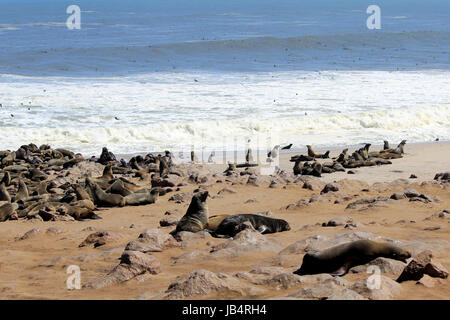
{"type": "Point", "coordinates": [339, 259]}
{"type": "Point", "coordinates": [229, 227]}
{"type": "Point", "coordinates": [287, 147]}
{"type": "Point", "coordinates": [196, 216]}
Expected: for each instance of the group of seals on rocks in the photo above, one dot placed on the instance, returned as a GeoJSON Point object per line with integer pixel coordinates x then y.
{"type": "Point", "coordinates": [307, 164]}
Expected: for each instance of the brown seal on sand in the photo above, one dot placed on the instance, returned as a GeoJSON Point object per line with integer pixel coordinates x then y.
{"type": "Point", "coordinates": [141, 198]}
{"type": "Point", "coordinates": [214, 221]}
{"type": "Point", "coordinates": [229, 227]}
{"type": "Point", "coordinates": [339, 259]}
{"type": "Point", "coordinates": [4, 194]}
{"type": "Point", "coordinates": [7, 210]}
{"type": "Point", "coordinates": [22, 191]}
{"type": "Point", "coordinates": [196, 216]}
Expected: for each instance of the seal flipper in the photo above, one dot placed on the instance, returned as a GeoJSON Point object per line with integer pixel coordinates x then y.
{"type": "Point", "coordinates": [342, 270]}
{"type": "Point", "coordinates": [339, 272]}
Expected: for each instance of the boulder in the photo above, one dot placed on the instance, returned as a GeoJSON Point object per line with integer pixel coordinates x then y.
{"type": "Point", "coordinates": [152, 240]}
{"type": "Point", "coordinates": [132, 264]}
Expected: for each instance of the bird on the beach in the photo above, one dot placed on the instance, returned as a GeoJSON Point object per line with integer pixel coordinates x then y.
{"type": "Point", "coordinates": [12, 115]}
{"type": "Point", "coordinates": [249, 156]}
{"type": "Point", "coordinates": [211, 157]}
{"type": "Point", "coordinates": [116, 118]}
{"type": "Point", "coordinates": [273, 153]}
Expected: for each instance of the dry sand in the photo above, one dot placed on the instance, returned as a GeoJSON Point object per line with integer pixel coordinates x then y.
{"type": "Point", "coordinates": [35, 268]}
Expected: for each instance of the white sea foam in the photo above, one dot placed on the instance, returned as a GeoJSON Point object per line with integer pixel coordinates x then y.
{"type": "Point", "coordinates": [172, 110]}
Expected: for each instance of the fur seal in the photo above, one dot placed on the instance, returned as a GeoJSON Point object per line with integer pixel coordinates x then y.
{"type": "Point", "coordinates": [106, 156]}
{"type": "Point", "coordinates": [339, 259]}
{"type": "Point", "coordinates": [118, 187]}
{"type": "Point", "coordinates": [163, 167]}
{"type": "Point", "coordinates": [22, 191]}
{"type": "Point", "coordinates": [80, 192]}
{"type": "Point", "coordinates": [297, 167]}
{"type": "Point", "coordinates": [6, 180]}
{"type": "Point", "coordinates": [7, 210]}
{"type": "Point", "coordinates": [4, 194]}
{"type": "Point", "coordinates": [196, 216]}
{"type": "Point", "coordinates": [311, 153]}
{"type": "Point", "coordinates": [229, 227]}
{"type": "Point", "coordinates": [82, 209]}
{"type": "Point", "coordinates": [343, 156]}
{"type": "Point", "coordinates": [398, 150]}
{"type": "Point", "coordinates": [103, 198]}
{"type": "Point", "coordinates": [214, 221]}
{"type": "Point", "coordinates": [136, 199]}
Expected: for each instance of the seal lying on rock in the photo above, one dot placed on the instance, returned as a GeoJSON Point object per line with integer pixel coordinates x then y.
{"type": "Point", "coordinates": [339, 259]}
{"type": "Point", "coordinates": [196, 216]}
{"type": "Point", "coordinates": [229, 227]}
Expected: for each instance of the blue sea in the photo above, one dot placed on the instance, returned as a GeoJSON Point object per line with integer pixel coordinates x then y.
{"type": "Point", "coordinates": [151, 75]}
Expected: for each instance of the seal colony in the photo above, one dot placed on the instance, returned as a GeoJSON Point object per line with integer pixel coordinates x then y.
{"type": "Point", "coordinates": [307, 164]}
{"type": "Point", "coordinates": [41, 183]}
{"type": "Point", "coordinates": [44, 184]}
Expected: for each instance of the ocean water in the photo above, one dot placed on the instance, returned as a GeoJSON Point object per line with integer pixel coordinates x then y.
{"type": "Point", "coordinates": [150, 75]}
